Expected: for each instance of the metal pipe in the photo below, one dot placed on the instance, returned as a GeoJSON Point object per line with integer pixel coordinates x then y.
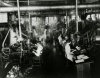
{"type": "Point", "coordinates": [29, 17]}
{"type": "Point", "coordinates": [5, 38]}
{"type": "Point", "coordinates": [19, 19]}
{"type": "Point", "coordinates": [38, 8]}
{"type": "Point", "coordinates": [76, 16]}
{"type": "Point", "coordinates": [25, 35]}
{"type": "Point", "coordinates": [20, 35]}
{"type": "Point", "coordinates": [28, 2]}
{"type": "Point", "coordinates": [29, 26]}
{"type": "Point", "coordinates": [31, 1]}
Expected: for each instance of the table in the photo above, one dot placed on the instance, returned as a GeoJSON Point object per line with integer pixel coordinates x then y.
{"type": "Point", "coordinates": [83, 70]}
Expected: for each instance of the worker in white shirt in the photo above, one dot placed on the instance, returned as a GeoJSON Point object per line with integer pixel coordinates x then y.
{"type": "Point", "coordinates": [39, 49]}
{"type": "Point", "coordinates": [69, 53]}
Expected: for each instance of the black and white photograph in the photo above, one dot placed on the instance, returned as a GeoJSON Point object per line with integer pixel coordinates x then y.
{"type": "Point", "coordinates": [49, 38]}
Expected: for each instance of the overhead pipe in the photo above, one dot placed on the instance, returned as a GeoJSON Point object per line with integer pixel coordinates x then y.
{"type": "Point", "coordinates": [38, 8]}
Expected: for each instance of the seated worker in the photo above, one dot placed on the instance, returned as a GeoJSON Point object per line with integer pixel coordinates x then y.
{"type": "Point", "coordinates": [62, 41]}
{"type": "Point", "coordinates": [39, 49]}
{"type": "Point", "coordinates": [78, 52]}
{"type": "Point", "coordinates": [75, 47]}
{"type": "Point", "coordinates": [68, 54]}
{"type": "Point", "coordinates": [65, 43]}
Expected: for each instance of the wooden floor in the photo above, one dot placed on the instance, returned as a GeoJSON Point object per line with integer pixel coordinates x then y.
{"type": "Point", "coordinates": [54, 66]}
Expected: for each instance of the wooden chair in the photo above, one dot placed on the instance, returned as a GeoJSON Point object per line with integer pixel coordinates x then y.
{"type": "Point", "coordinates": [37, 60]}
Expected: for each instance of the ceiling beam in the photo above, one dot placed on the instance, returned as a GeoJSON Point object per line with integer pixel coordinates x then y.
{"type": "Point", "coordinates": [39, 8]}
{"type": "Point", "coordinates": [50, 0]}
{"type": "Point", "coordinates": [33, 0]}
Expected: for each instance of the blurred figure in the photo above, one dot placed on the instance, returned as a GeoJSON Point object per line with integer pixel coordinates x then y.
{"type": "Point", "coordinates": [39, 49]}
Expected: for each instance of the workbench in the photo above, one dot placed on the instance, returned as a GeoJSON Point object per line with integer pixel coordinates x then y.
{"type": "Point", "coordinates": [84, 69]}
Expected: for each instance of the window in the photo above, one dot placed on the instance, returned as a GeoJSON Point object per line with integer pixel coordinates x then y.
{"type": "Point", "coordinates": [50, 20]}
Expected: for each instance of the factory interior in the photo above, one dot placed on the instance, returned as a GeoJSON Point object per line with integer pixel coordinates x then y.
{"type": "Point", "coordinates": [49, 39]}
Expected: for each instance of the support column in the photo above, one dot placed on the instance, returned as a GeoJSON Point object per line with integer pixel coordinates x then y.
{"type": "Point", "coordinates": [19, 19]}
{"type": "Point", "coordinates": [20, 32]}
{"type": "Point", "coordinates": [76, 16]}
{"type": "Point", "coordinates": [66, 20]}
{"type": "Point", "coordinates": [30, 30]}
{"type": "Point", "coordinates": [29, 18]}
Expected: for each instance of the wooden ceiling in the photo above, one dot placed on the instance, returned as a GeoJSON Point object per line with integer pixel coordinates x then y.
{"type": "Point", "coordinates": [49, 2]}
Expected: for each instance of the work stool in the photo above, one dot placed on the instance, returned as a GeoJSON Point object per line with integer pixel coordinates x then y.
{"type": "Point", "coordinates": [68, 62]}
{"type": "Point", "coordinates": [37, 61]}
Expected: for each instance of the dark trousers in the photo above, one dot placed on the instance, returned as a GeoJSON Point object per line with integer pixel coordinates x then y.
{"type": "Point", "coordinates": [71, 68]}
{"type": "Point", "coordinates": [70, 63]}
